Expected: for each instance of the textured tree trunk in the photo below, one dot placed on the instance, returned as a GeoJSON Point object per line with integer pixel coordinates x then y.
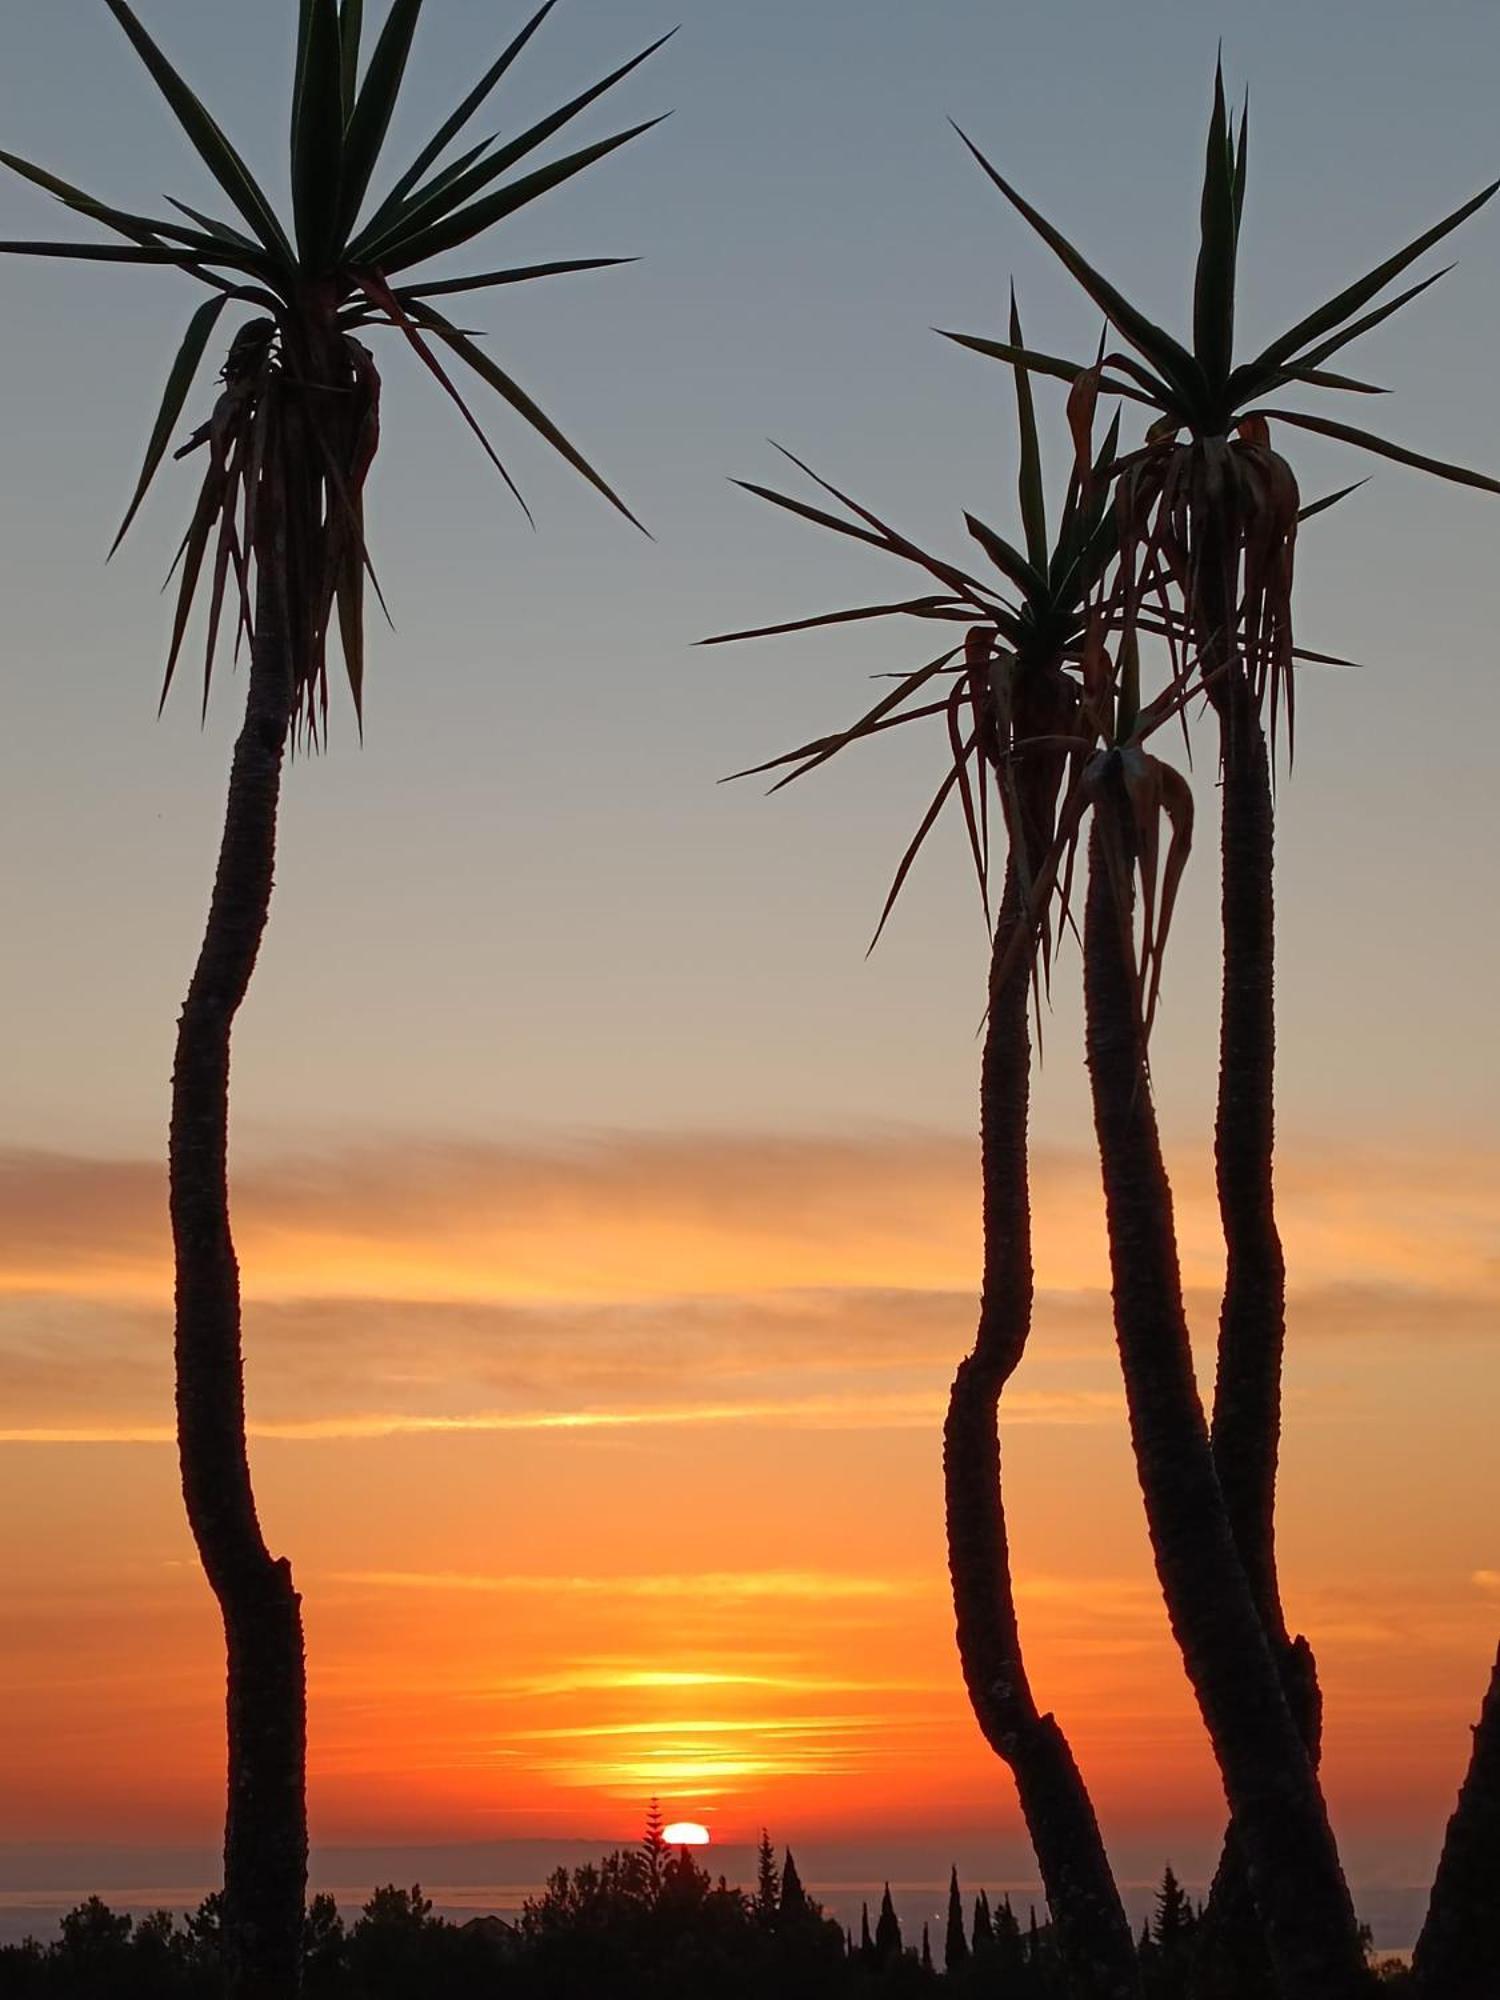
{"type": "Point", "coordinates": [265, 1840]}
{"type": "Point", "coordinates": [1093, 1932]}
{"type": "Point", "coordinates": [1252, 1325]}
{"type": "Point", "coordinates": [1458, 1953]}
{"type": "Point", "coordinates": [1280, 1819]}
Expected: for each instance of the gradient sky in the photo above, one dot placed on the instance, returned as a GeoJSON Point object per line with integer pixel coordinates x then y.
{"type": "Point", "coordinates": [608, 1219]}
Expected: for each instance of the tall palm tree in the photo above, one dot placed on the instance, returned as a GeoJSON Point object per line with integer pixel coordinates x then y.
{"type": "Point", "coordinates": [1208, 516]}
{"type": "Point", "coordinates": [1009, 695]}
{"type": "Point", "coordinates": [277, 537]}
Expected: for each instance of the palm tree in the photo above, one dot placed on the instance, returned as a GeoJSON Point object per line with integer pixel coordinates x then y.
{"type": "Point", "coordinates": [1208, 515]}
{"type": "Point", "coordinates": [1009, 695]}
{"type": "Point", "coordinates": [278, 533]}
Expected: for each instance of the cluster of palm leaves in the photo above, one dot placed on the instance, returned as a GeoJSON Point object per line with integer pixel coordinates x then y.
{"type": "Point", "coordinates": [292, 438]}
{"type": "Point", "coordinates": [1174, 553]}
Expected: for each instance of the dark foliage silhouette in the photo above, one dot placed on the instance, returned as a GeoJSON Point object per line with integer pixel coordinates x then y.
{"type": "Point", "coordinates": [606, 1928]}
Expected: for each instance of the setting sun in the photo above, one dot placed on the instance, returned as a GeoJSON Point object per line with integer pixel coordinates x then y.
{"type": "Point", "coordinates": [685, 1833]}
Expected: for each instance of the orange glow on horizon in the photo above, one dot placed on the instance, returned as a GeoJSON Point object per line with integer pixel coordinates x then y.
{"type": "Point", "coordinates": [628, 1485]}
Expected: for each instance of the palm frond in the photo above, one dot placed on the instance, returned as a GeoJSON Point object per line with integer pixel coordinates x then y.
{"type": "Point", "coordinates": [371, 118]}
{"type": "Point", "coordinates": [451, 126]}
{"type": "Point", "coordinates": [1353, 297]}
{"type": "Point", "coordinates": [490, 371]}
{"type": "Point", "coordinates": [1171, 360]}
{"type": "Point", "coordinates": [1460, 475]}
{"type": "Point", "coordinates": [399, 251]}
{"type": "Point", "coordinates": [179, 382]}
{"type": "Point", "coordinates": [212, 147]}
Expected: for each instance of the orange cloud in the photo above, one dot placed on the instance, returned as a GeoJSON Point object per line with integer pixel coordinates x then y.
{"type": "Point", "coordinates": [615, 1468]}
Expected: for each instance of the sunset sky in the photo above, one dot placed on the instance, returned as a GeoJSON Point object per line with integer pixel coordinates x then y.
{"type": "Point", "coordinates": [608, 1221]}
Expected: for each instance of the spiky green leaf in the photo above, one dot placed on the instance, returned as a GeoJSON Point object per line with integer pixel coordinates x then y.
{"type": "Point", "coordinates": [371, 118]}
{"type": "Point", "coordinates": [108, 253]}
{"type": "Point", "coordinates": [1316, 356]}
{"type": "Point", "coordinates": [425, 206]}
{"type": "Point", "coordinates": [140, 229]}
{"type": "Point", "coordinates": [1171, 360]}
{"type": "Point", "coordinates": [221, 232]}
{"type": "Point", "coordinates": [449, 130]}
{"type": "Point", "coordinates": [522, 274]}
{"type": "Point", "coordinates": [1353, 297]}
{"type": "Point", "coordinates": [911, 607]}
{"type": "Point", "coordinates": [179, 381]}
{"type": "Point", "coordinates": [351, 33]}
{"type": "Point", "coordinates": [480, 177]}
{"type": "Point", "coordinates": [817, 515]}
{"type": "Point", "coordinates": [488, 371]}
{"type": "Point", "coordinates": [212, 147]}
{"type": "Point", "coordinates": [807, 756]}
{"type": "Point", "coordinates": [1043, 364]}
{"type": "Point", "coordinates": [898, 544]}
{"type": "Point", "coordinates": [1007, 558]}
{"type": "Point", "coordinates": [1241, 156]}
{"type": "Point", "coordinates": [318, 133]}
{"type": "Point", "coordinates": [928, 821]}
{"type": "Point", "coordinates": [1031, 493]}
{"type": "Point", "coordinates": [1460, 475]}
{"type": "Point", "coordinates": [381, 295]}
{"type": "Point", "coordinates": [1213, 288]}
{"type": "Point", "coordinates": [1321, 507]}
{"type": "Point", "coordinates": [456, 230]}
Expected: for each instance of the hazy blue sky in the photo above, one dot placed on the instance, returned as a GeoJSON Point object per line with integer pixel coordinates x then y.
{"type": "Point", "coordinates": [525, 904]}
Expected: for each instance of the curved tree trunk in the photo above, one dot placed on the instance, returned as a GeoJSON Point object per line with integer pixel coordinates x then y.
{"type": "Point", "coordinates": [1280, 1818]}
{"type": "Point", "coordinates": [1458, 1953]}
{"type": "Point", "coordinates": [265, 1840]}
{"type": "Point", "coordinates": [1252, 1324]}
{"type": "Point", "coordinates": [1246, 1429]}
{"type": "Point", "coordinates": [1093, 1932]}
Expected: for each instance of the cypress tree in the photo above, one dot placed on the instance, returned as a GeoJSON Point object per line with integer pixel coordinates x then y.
{"type": "Point", "coordinates": [794, 1903]}
{"type": "Point", "coordinates": [866, 1945]}
{"type": "Point", "coordinates": [955, 1944]}
{"type": "Point", "coordinates": [887, 1931]}
{"type": "Point", "coordinates": [767, 1882]}
{"type": "Point", "coordinates": [1174, 1914]}
{"type": "Point", "coordinates": [926, 1950]}
{"type": "Point", "coordinates": [1010, 1953]}
{"type": "Point", "coordinates": [653, 1843]}
{"type": "Point", "coordinates": [1172, 1938]}
{"type": "Point", "coordinates": [984, 1929]}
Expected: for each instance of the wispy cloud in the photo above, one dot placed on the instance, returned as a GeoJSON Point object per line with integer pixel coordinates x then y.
{"type": "Point", "coordinates": [647, 1284]}
{"type": "Point", "coordinates": [853, 1411]}
{"type": "Point", "coordinates": [680, 1216]}
{"type": "Point", "coordinates": [709, 1584]}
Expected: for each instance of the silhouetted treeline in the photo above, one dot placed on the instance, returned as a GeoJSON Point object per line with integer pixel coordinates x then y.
{"type": "Point", "coordinates": [642, 1924]}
